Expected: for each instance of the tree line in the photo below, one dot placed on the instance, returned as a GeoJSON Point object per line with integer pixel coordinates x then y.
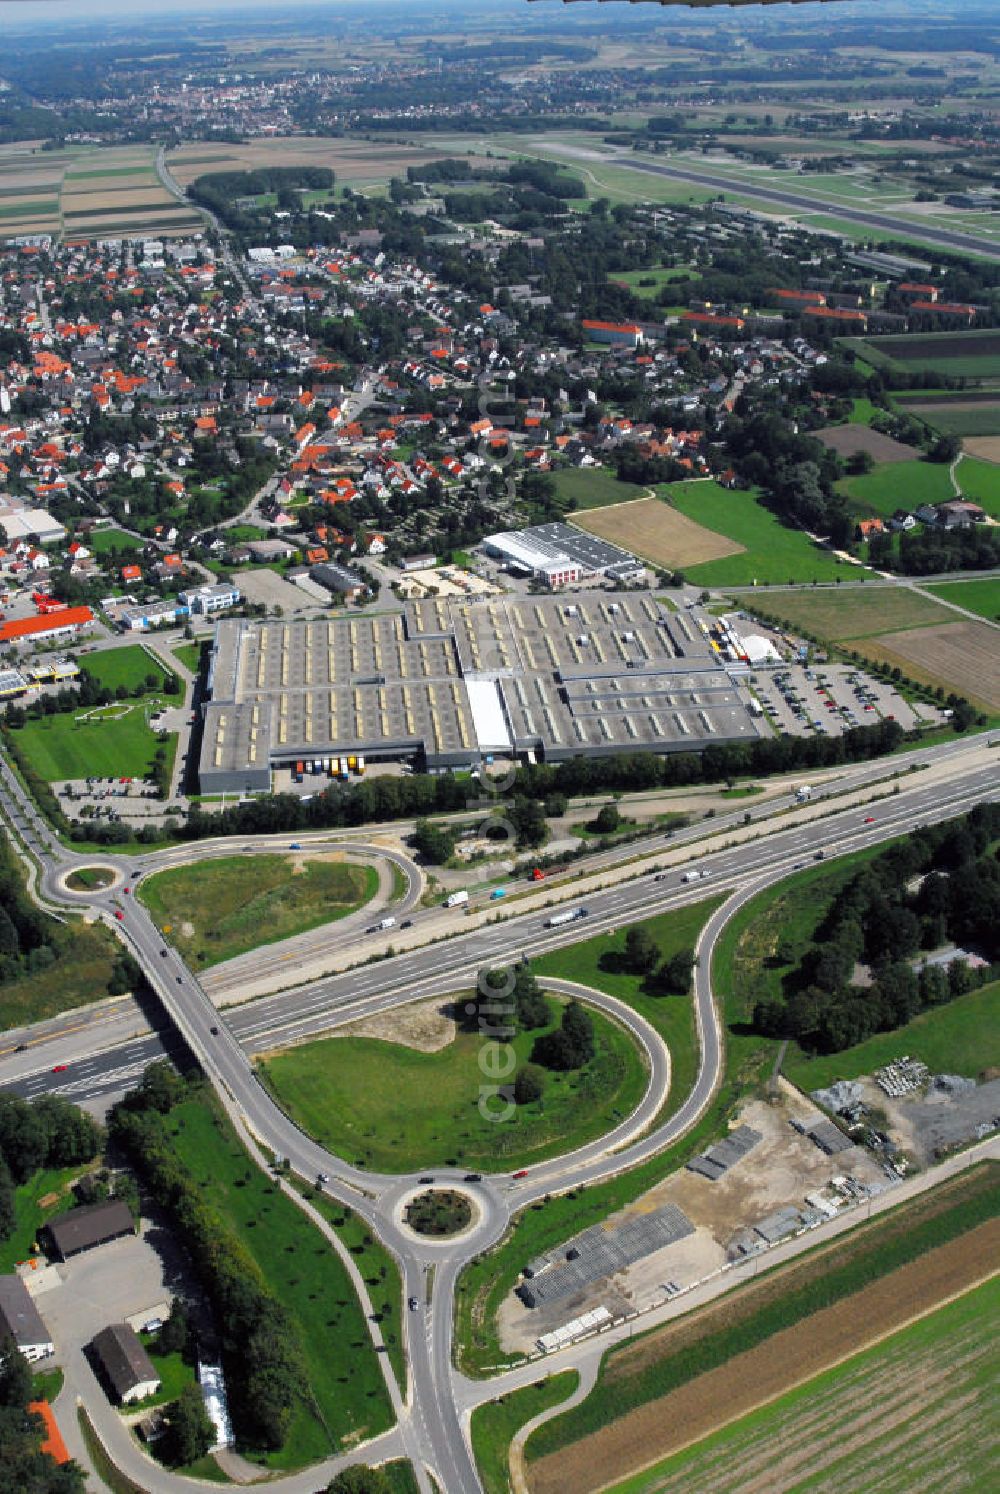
{"type": "Point", "coordinates": [261, 1351]}
{"type": "Point", "coordinates": [939, 886]}
{"type": "Point", "coordinates": [47, 1132]}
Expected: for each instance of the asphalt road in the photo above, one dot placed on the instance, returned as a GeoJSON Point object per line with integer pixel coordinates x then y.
{"type": "Point", "coordinates": [431, 1425]}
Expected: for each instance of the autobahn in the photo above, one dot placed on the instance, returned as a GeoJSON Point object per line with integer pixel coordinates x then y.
{"type": "Point", "coordinates": [431, 1424]}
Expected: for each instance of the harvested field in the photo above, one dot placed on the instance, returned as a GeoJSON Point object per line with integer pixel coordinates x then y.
{"type": "Point", "coordinates": [783, 1361]}
{"type": "Point", "coordinates": [961, 656]}
{"type": "Point", "coordinates": [89, 193]}
{"type": "Point", "coordinates": [926, 1388]}
{"type": "Point", "coordinates": [847, 439]}
{"type": "Point", "coordinates": [857, 612]}
{"type": "Point", "coordinates": [657, 533]}
{"type": "Point", "coordinates": [352, 160]}
{"type": "Point", "coordinates": [987, 448]}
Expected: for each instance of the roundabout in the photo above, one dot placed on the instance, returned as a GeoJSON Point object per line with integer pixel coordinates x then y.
{"type": "Point", "coordinates": [440, 1214]}
{"type": "Point", "coordinates": [84, 881]}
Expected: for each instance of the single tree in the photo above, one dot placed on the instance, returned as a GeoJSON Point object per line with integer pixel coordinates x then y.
{"type": "Point", "coordinates": [189, 1430]}
{"type": "Point", "coordinates": [641, 951]}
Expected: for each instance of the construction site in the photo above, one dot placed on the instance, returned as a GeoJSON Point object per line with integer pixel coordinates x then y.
{"type": "Point", "coordinates": [784, 1169]}
{"type": "Point", "coordinates": [449, 684]}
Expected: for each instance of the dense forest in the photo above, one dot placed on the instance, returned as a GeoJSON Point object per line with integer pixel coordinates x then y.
{"type": "Point", "coordinates": [863, 971]}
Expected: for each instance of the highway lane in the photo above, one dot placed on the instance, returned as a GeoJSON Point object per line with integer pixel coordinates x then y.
{"type": "Point", "coordinates": [445, 967]}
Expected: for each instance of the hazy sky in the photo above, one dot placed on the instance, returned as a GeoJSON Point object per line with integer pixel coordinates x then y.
{"type": "Point", "coordinates": [37, 11]}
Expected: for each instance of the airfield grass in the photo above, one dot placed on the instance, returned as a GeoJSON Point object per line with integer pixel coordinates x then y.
{"type": "Point", "coordinates": [924, 1372]}
{"type": "Point", "coordinates": [85, 958]}
{"type": "Point", "coordinates": [114, 741]}
{"type": "Point", "coordinates": [495, 1423]}
{"type": "Point", "coordinates": [593, 487]}
{"type": "Point", "coordinates": [128, 667]}
{"type": "Point", "coordinates": [652, 1365]}
{"type": "Point", "coordinates": [898, 485]}
{"type": "Point", "coordinates": [221, 908]}
{"type": "Point", "coordinates": [976, 596]}
{"type": "Point", "coordinates": [30, 1215]}
{"type": "Point", "coordinates": [488, 1279]}
{"type": "Point", "coordinates": [394, 1109]}
{"type": "Point", "coordinates": [960, 1037]}
{"type": "Point", "coordinates": [773, 554]}
{"type": "Point", "coordinates": [345, 1398]}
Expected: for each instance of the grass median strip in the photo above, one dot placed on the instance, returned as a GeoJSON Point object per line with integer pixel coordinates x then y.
{"type": "Point", "coordinates": [341, 1397]}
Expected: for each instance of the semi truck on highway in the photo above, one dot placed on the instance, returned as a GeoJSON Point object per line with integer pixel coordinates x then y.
{"type": "Point", "coordinates": [382, 925]}
{"type": "Point", "coordinates": [570, 916]}
{"type": "Point", "coordinates": [456, 900]}
{"type": "Point", "coordinates": [693, 876]}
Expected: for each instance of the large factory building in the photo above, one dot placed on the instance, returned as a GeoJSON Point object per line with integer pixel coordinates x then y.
{"type": "Point", "coordinates": [448, 684]}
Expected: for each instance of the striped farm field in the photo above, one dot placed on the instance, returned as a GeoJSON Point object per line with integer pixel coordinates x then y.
{"type": "Point", "coordinates": [661, 1395]}
{"type": "Point", "coordinates": [960, 656]}
{"type": "Point", "coordinates": [922, 1399]}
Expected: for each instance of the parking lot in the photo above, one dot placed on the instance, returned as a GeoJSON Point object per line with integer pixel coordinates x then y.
{"type": "Point", "coordinates": [828, 699]}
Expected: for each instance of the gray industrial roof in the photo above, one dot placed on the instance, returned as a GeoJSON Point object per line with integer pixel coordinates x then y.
{"type": "Point", "coordinates": [81, 1229]}
{"type": "Point", "coordinates": [123, 1358]}
{"type": "Point", "coordinates": [599, 673]}
{"type": "Point", "coordinates": [18, 1314]}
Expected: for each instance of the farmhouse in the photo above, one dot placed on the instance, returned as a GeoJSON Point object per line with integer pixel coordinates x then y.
{"type": "Point", "coordinates": [84, 1229]}
{"type": "Point", "coordinates": [957, 513]}
{"type": "Point", "coordinates": [124, 1363]}
{"type": "Point", "coordinates": [21, 1320]}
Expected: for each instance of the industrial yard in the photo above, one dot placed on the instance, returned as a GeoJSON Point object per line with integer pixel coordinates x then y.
{"type": "Point", "coordinates": [780, 1170]}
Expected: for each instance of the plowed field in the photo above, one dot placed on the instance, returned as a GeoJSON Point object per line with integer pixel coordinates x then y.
{"type": "Point", "coordinates": [922, 1399]}
{"type": "Point", "coordinates": [788, 1358]}
{"type": "Point", "coordinates": [962, 656]}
